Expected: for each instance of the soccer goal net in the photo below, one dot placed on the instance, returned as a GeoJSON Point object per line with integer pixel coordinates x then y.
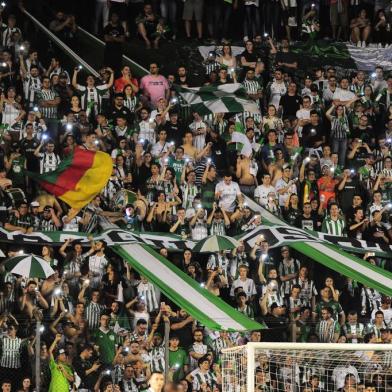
{"type": "Point", "coordinates": [306, 367]}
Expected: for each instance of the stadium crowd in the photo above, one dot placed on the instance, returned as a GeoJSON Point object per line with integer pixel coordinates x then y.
{"type": "Point", "coordinates": [321, 160]}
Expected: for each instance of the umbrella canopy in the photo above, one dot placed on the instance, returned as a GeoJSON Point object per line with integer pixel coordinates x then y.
{"type": "Point", "coordinates": [30, 266]}
{"type": "Point", "coordinates": [215, 243]}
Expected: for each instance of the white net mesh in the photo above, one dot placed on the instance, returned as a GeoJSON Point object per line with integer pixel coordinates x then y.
{"type": "Point", "coordinates": [307, 370]}
{"type": "Point", "coordinates": [234, 369]}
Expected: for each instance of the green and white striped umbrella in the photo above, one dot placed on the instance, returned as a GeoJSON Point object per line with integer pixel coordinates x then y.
{"type": "Point", "coordinates": [215, 243]}
{"type": "Point", "coordinates": [29, 265]}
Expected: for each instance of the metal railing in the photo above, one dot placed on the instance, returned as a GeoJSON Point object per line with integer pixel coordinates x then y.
{"type": "Point", "coordinates": [65, 48]}
{"type": "Point", "coordinates": [136, 68]}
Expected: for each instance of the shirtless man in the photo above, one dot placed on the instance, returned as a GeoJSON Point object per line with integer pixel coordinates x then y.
{"type": "Point", "coordinates": [31, 299]}
{"type": "Point", "coordinates": [190, 151]}
{"type": "Point", "coordinates": [246, 173]}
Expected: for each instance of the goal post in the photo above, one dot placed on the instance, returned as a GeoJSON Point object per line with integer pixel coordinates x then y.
{"type": "Point", "coordinates": [307, 367]}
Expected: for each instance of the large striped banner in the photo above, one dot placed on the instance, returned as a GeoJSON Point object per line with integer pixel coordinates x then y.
{"type": "Point", "coordinates": [208, 309]}
{"type": "Point", "coordinates": [330, 255]}
{"type": "Point", "coordinates": [226, 98]}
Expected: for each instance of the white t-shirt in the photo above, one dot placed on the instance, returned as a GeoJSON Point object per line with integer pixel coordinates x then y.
{"type": "Point", "coordinates": [228, 195]}
{"type": "Point", "coordinates": [261, 193]}
{"type": "Point", "coordinates": [343, 95]}
{"type": "Point", "coordinates": [387, 314]}
{"type": "Point", "coordinates": [248, 286]}
{"type": "Point", "coordinates": [280, 184]}
{"type": "Point", "coordinates": [303, 114]}
{"type": "Point", "coordinates": [159, 148]}
{"type": "Point", "coordinates": [199, 141]}
{"type": "Point", "coordinates": [73, 225]}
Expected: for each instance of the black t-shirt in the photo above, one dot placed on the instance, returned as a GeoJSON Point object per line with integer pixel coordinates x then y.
{"type": "Point", "coordinates": [290, 104]}
{"type": "Point", "coordinates": [184, 334]}
{"type": "Point", "coordinates": [113, 31]}
{"type": "Point", "coordinates": [87, 380]}
{"type": "Point", "coordinates": [286, 57]}
{"type": "Point", "coordinates": [27, 148]}
{"type": "Point", "coordinates": [372, 230]}
{"type": "Point", "coordinates": [359, 158]}
{"type": "Point", "coordinates": [345, 196]}
{"type": "Point", "coordinates": [309, 138]}
{"type": "Point", "coordinates": [218, 155]}
{"type": "Point", "coordinates": [277, 329]}
{"type": "Point", "coordinates": [175, 132]}
{"type": "Point", "coordinates": [366, 134]}
{"type": "Point", "coordinates": [312, 223]}
{"type": "Point", "coordinates": [290, 215]}
{"type": "Point", "coordinates": [355, 233]}
{"type": "Point", "coordinates": [250, 58]}
{"type": "Point", "coordinates": [122, 112]}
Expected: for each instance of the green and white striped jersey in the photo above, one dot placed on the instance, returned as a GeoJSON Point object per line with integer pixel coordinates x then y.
{"type": "Point", "coordinates": [10, 352]}
{"type": "Point", "coordinates": [200, 378]}
{"type": "Point", "coordinates": [157, 358]}
{"type": "Point", "coordinates": [334, 227]}
{"type": "Point", "coordinates": [93, 313]}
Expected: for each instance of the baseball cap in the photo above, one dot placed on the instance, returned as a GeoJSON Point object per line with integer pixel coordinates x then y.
{"type": "Point", "coordinates": [47, 208]}
{"type": "Point", "coordinates": [34, 204]}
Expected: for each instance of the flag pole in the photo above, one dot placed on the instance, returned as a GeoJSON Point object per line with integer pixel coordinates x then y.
{"type": "Point", "coordinates": [167, 331]}
{"type": "Point", "coordinates": [38, 356]}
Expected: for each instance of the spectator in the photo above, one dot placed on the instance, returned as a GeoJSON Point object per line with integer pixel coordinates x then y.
{"type": "Point", "coordinates": [360, 29]}
{"type": "Point", "coordinates": [114, 36]}
{"type": "Point", "coordinates": [154, 86]}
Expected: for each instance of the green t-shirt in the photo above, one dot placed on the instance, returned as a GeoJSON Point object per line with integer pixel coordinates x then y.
{"type": "Point", "coordinates": [177, 166]}
{"type": "Point", "coordinates": [208, 194]}
{"type": "Point", "coordinates": [107, 345]}
{"type": "Point", "coordinates": [177, 360]}
{"type": "Point", "coordinates": [335, 306]}
{"type": "Point", "coordinates": [305, 331]}
{"type": "Point", "coordinates": [58, 382]}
